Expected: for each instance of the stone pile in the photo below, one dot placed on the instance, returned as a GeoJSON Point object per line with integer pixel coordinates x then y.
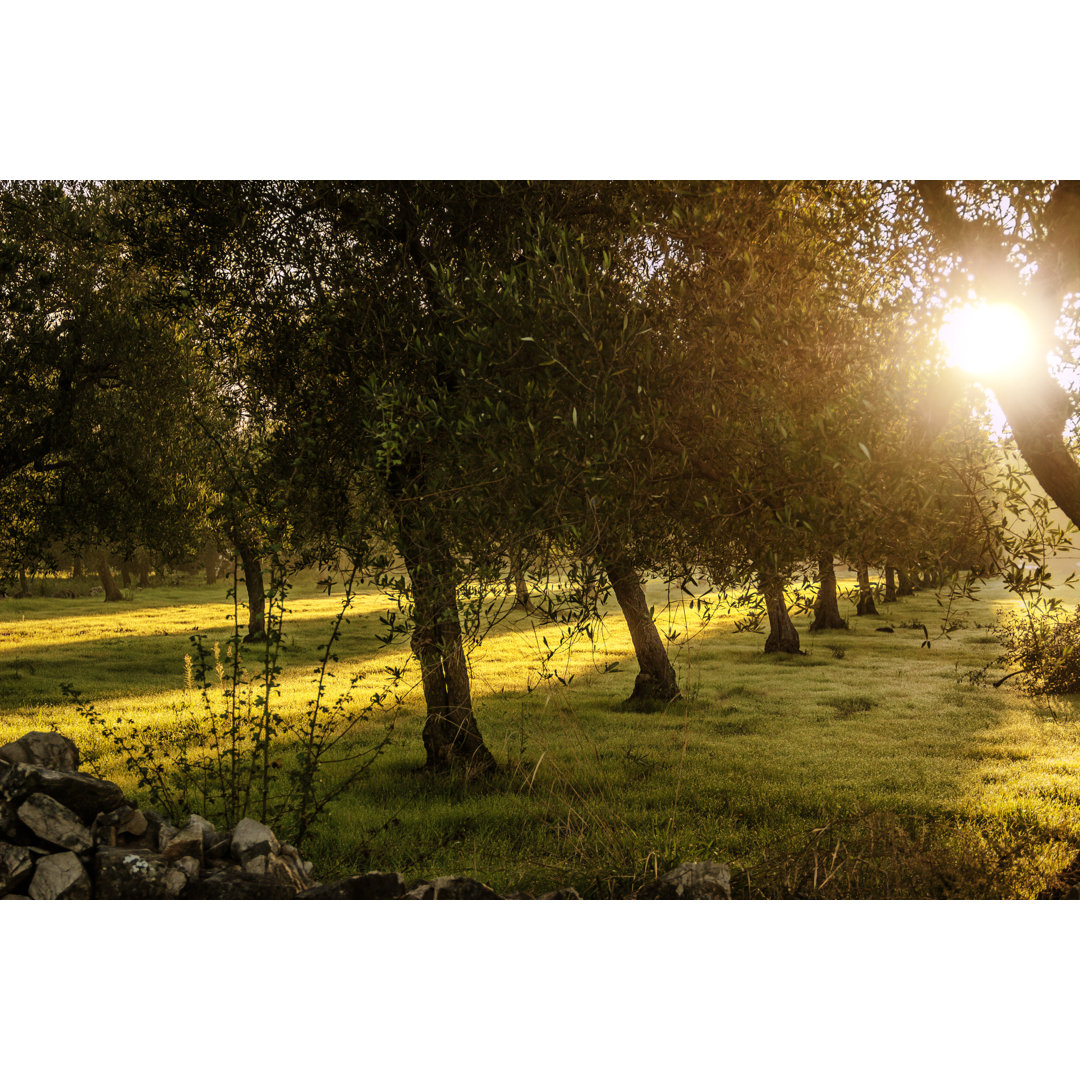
{"type": "Point", "coordinates": [67, 835]}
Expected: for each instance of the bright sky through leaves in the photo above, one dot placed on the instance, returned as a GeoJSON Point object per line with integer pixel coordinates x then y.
{"type": "Point", "coordinates": [986, 340]}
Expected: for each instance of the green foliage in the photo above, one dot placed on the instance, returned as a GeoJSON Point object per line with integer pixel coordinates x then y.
{"type": "Point", "coordinates": [229, 751]}
{"type": "Point", "coordinates": [1043, 643]}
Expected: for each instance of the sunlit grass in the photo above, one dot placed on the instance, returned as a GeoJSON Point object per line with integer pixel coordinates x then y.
{"type": "Point", "coordinates": [884, 760]}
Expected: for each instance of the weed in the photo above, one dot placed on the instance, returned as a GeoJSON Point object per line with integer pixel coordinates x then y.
{"type": "Point", "coordinates": [234, 753]}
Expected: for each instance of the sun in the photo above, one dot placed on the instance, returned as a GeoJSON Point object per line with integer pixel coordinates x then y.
{"type": "Point", "coordinates": [988, 341]}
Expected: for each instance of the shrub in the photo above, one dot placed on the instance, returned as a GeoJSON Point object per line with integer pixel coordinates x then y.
{"type": "Point", "coordinates": [1044, 647]}
{"type": "Point", "coordinates": [230, 753]}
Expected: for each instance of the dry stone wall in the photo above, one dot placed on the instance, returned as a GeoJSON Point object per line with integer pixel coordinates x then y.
{"type": "Point", "coordinates": [68, 835]}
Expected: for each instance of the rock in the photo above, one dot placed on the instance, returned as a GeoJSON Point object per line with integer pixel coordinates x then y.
{"type": "Point", "coordinates": [232, 883]}
{"type": "Point", "coordinates": [373, 886]}
{"type": "Point", "coordinates": [293, 869]}
{"type": "Point", "coordinates": [180, 875]}
{"type": "Point", "coordinates": [47, 748]}
{"type": "Point", "coordinates": [188, 842]}
{"type": "Point", "coordinates": [124, 821]}
{"type": "Point", "coordinates": [16, 867]}
{"type": "Point", "coordinates": [288, 870]}
{"type": "Point", "coordinates": [54, 823]}
{"type": "Point", "coordinates": [220, 848]}
{"type": "Point", "coordinates": [562, 894]}
{"type": "Point", "coordinates": [692, 881]}
{"type": "Point", "coordinates": [15, 896]}
{"type": "Point", "coordinates": [250, 839]}
{"type": "Point", "coordinates": [884, 630]}
{"type": "Point", "coordinates": [132, 874]}
{"type": "Point", "coordinates": [8, 819]}
{"type": "Point", "coordinates": [166, 831]}
{"type": "Point", "coordinates": [190, 866]}
{"type": "Point", "coordinates": [154, 821]}
{"type": "Point", "coordinates": [519, 896]}
{"type": "Point", "coordinates": [452, 888]}
{"type": "Point", "coordinates": [85, 794]}
{"type": "Point", "coordinates": [209, 833]}
{"type": "Point", "coordinates": [60, 877]}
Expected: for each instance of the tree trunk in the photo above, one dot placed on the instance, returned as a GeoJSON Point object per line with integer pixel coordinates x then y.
{"type": "Point", "coordinates": [108, 582]}
{"type": "Point", "coordinates": [906, 585]}
{"type": "Point", "coordinates": [253, 582]}
{"type": "Point", "coordinates": [209, 556]}
{"type": "Point", "coordinates": [522, 598]}
{"type": "Point", "coordinates": [125, 573]}
{"type": "Point", "coordinates": [826, 607]}
{"type": "Point", "coordinates": [24, 586]}
{"type": "Point", "coordinates": [866, 605]}
{"type": "Point", "coordinates": [890, 584]}
{"type": "Point", "coordinates": [656, 681]}
{"type": "Point", "coordinates": [783, 637]}
{"type": "Point", "coordinates": [77, 567]}
{"type": "Point", "coordinates": [451, 735]}
{"type": "Point", "coordinates": [142, 565]}
{"type": "Point", "coordinates": [1034, 403]}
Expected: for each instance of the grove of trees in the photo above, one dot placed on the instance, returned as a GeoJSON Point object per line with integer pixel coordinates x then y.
{"type": "Point", "coordinates": [461, 385]}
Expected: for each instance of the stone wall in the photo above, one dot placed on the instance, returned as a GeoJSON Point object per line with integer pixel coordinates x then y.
{"type": "Point", "coordinates": [68, 835]}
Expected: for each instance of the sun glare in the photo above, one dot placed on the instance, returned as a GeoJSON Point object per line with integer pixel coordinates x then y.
{"type": "Point", "coordinates": [986, 340]}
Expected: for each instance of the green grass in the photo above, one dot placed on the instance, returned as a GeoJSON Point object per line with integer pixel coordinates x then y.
{"type": "Point", "coordinates": [868, 767]}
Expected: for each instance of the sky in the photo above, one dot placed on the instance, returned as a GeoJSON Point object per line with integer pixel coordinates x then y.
{"type": "Point", "coordinates": [572, 88]}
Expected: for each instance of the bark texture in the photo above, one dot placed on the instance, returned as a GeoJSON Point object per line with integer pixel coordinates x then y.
{"type": "Point", "coordinates": [866, 605]}
{"type": "Point", "coordinates": [656, 681]}
{"type": "Point", "coordinates": [256, 591]}
{"type": "Point", "coordinates": [826, 606]}
{"type": "Point", "coordinates": [905, 586]}
{"type": "Point", "coordinates": [451, 735]}
{"type": "Point", "coordinates": [783, 637]}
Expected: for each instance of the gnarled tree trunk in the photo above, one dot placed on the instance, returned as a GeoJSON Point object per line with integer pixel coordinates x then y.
{"type": "Point", "coordinates": [783, 637]}
{"type": "Point", "coordinates": [656, 681]}
{"type": "Point", "coordinates": [866, 605]}
{"type": "Point", "coordinates": [826, 606]}
{"type": "Point", "coordinates": [256, 591]}
{"type": "Point", "coordinates": [451, 735]}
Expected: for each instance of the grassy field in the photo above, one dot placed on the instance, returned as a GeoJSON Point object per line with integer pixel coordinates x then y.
{"type": "Point", "coordinates": [870, 767]}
